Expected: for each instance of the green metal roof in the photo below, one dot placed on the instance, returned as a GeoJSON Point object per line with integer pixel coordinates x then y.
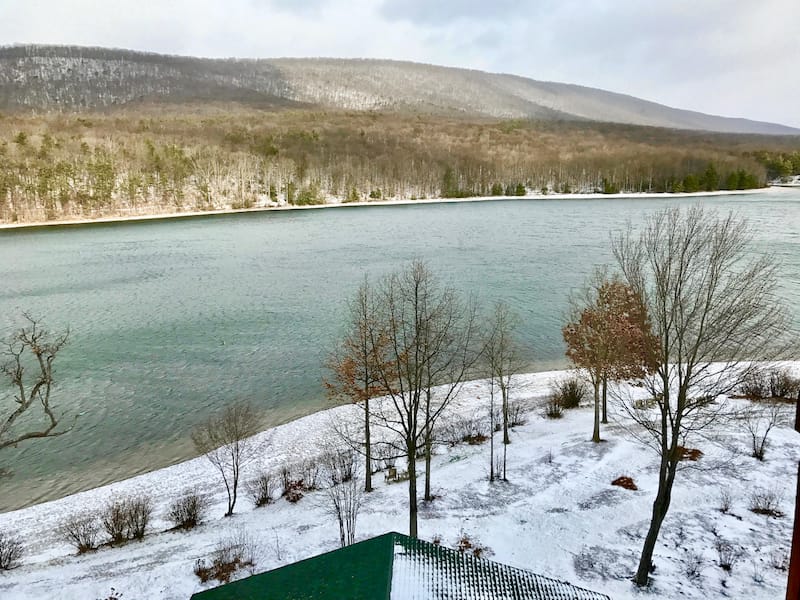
{"type": "Point", "coordinates": [394, 566]}
{"type": "Point", "coordinates": [363, 570]}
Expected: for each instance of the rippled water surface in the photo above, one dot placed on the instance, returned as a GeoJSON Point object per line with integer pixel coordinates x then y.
{"type": "Point", "coordinates": [172, 319]}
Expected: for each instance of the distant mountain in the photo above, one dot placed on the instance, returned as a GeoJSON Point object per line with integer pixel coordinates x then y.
{"type": "Point", "coordinates": [69, 78]}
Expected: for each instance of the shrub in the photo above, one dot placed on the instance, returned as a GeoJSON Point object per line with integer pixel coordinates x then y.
{"type": "Point", "coordinates": [309, 473]}
{"type": "Point", "coordinates": [231, 554]}
{"type": "Point", "coordinates": [553, 408]}
{"type": "Point", "coordinates": [693, 564]}
{"type": "Point", "coordinates": [728, 554]}
{"type": "Point", "coordinates": [771, 383]}
{"type": "Point", "coordinates": [571, 392]}
{"type": "Point", "coordinates": [517, 413]}
{"type": "Point", "coordinates": [114, 521]}
{"type": "Point", "coordinates": [783, 385]}
{"type": "Point", "coordinates": [81, 532]}
{"type": "Point", "coordinates": [10, 552]}
{"type": "Point", "coordinates": [472, 430]}
{"type": "Point", "coordinates": [138, 511]}
{"type": "Point", "coordinates": [759, 420]}
{"type": "Point", "coordinates": [339, 466]}
{"type": "Point", "coordinates": [114, 595]}
{"type": "Point", "coordinates": [725, 500]}
{"type": "Point", "coordinates": [187, 512]}
{"type": "Point", "coordinates": [127, 518]}
{"type": "Point", "coordinates": [766, 502]}
{"type": "Point", "coordinates": [261, 489]}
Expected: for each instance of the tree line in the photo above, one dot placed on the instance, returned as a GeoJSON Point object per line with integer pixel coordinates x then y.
{"type": "Point", "coordinates": [142, 162]}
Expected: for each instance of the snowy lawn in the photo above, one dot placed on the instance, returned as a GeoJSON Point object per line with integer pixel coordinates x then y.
{"type": "Point", "coordinates": [557, 515]}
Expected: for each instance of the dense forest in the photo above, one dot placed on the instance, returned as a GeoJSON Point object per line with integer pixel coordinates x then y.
{"type": "Point", "coordinates": [162, 159]}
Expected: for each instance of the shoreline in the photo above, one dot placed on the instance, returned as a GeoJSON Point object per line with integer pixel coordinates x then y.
{"type": "Point", "coordinates": [307, 426]}
{"type": "Point", "coordinates": [394, 202]}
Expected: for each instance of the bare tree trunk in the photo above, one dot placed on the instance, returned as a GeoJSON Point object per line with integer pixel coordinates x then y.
{"type": "Point", "coordinates": [491, 432]}
{"type": "Point", "coordinates": [660, 508]}
{"type": "Point", "coordinates": [506, 439]}
{"type": "Point", "coordinates": [505, 456]}
{"type": "Point", "coordinates": [428, 445]}
{"type": "Point", "coordinates": [605, 401]}
{"type": "Point", "coordinates": [412, 490]}
{"type": "Point", "coordinates": [596, 430]}
{"type": "Point", "coordinates": [367, 450]}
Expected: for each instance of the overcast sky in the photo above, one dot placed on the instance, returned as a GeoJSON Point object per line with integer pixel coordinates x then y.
{"type": "Point", "coordinates": [738, 58]}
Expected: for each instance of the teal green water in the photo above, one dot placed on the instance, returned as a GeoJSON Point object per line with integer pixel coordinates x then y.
{"type": "Point", "coordinates": [173, 319]}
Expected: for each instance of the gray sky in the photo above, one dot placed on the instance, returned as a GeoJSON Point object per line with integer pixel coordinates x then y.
{"type": "Point", "coordinates": [738, 58]}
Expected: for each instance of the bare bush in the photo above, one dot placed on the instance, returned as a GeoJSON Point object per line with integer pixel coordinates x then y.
{"type": "Point", "coordinates": [310, 471]}
{"type": "Point", "coordinates": [126, 518]}
{"type": "Point", "coordinates": [114, 520]}
{"type": "Point", "coordinates": [727, 554]}
{"type": "Point", "coordinates": [693, 564]}
{"type": "Point", "coordinates": [552, 406]}
{"type": "Point", "coordinates": [766, 501]}
{"type": "Point", "coordinates": [138, 511]}
{"type": "Point", "coordinates": [187, 512]}
{"type": "Point", "coordinates": [339, 466]}
{"type": "Point", "coordinates": [571, 392]}
{"type": "Point", "coordinates": [261, 489]}
{"type": "Point", "coordinates": [10, 551]}
{"type": "Point", "coordinates": [232, 553]}
{"type": "Point", "coordinates": [759, 420]}
{"type": "Point", "coordinates": [472, 430]}
{"type": "Point", "coordinates": [776, 383]}
{"type": "Point", "coordinates": [725, 500]}
{"type": "Point", "coordinates": [344, 494]}
{"type": "Point", "coordinates": [80, 530]}
{"type": "Point", "coordinates": [517, 413]}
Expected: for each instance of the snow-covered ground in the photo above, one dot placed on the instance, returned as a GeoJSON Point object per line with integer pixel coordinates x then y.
{"type": "Point", "coordinates": [557, 515]}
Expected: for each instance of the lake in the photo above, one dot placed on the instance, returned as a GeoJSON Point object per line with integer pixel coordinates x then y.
{"type": "Point", "coordinates": [172, 319]}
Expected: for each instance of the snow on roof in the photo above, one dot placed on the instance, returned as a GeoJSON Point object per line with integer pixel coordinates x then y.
{"type": "Point", "coordinates": [425, 571]}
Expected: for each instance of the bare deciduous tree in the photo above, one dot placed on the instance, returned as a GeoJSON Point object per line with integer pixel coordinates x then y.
{"type": "Point", "coordinates": [714, 311]}
{"type": "Point", "coordinates": [353, 368]}
{"type": "Point", "coordinates": [226, 441]}
{"type": "Point", "coordinates": [609, 335]}
{"type": "Point", "coordinates": [500, 353]}
{"type": "Point", "coordinates": [30, 353]}
{"type": "Point", "coordinates": [429, 332]}
{"type": "Point", "coordinates": [343, 492]}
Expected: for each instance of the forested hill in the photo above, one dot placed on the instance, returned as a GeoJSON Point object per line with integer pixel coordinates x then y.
{"type": "Point", "coordinates": [70, 78]}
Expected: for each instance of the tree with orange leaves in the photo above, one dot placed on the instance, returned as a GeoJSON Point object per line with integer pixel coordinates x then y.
{"type": "Point", "coordinates": [609, 335]}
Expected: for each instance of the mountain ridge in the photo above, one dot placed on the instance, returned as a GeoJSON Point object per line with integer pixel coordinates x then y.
{"type": "Point", "coordinates": [43, 77]}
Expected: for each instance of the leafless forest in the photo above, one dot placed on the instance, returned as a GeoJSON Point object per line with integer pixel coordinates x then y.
{"type": "Point", "coordinates": [170, 158]}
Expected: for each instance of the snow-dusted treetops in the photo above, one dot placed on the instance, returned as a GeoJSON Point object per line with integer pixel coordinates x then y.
{"type": "Point", "coordinates": [66, 77]}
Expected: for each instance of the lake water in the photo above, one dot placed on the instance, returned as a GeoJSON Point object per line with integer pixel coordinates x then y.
{"type": "Point", "coordinates": [170, 320]}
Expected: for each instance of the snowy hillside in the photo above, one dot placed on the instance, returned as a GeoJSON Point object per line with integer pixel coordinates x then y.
{"type": "Point", "coordinates": [63, 77]}
{"type": "Point", "coordinates": [557, 515]}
